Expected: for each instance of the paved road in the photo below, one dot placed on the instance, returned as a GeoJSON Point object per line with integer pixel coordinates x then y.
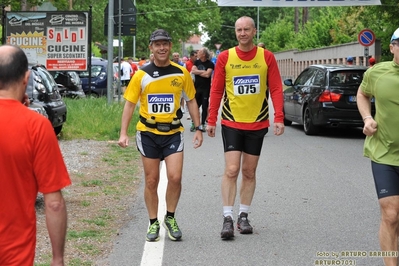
{"type": "Point", "coordinates": [315, 198]}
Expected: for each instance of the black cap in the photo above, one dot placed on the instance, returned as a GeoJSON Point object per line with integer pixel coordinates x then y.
{"type": "Point", "coordinates": [160, 35]}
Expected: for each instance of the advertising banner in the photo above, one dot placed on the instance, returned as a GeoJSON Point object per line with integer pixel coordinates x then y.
{"type": "Point", "coordinates": [55, 39]}
{"type": "Point", "coordinates": [298, 3]}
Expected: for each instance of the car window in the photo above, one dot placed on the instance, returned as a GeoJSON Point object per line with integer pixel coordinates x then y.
{"type": "Point", "coordinates": [305, 77]}
{"type": "Point", "coordinates": [319, 78]}
{"type": "Point", "coordinates": [346, 78]}
{"type": "Point", "coordinates": [47, 79]}
{"type": "Point", "coordinates": [95, 71]}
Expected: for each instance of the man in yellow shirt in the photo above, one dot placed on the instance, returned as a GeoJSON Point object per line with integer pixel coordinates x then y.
{"type": "Point", "coordinates": [159, 88]}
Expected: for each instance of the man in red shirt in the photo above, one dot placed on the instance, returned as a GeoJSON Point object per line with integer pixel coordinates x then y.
{"type": "Point", "coordinates": [30, 161]}
{"type": "Point", "coordinates": [133, 65]}
{"type": "Point", "coordinates": [191, 60]}
{"type": "Point", "coordinates": [243, 74]}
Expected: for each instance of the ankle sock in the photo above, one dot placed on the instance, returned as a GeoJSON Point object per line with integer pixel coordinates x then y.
{"type": "Point", "coordinates": [170, 214]}
{"type": "Point", "coordinates": [228, 211]}
{"type": "Point", "coordinates": [153, 220]}
{"type": "Point", "coordinates": [243, 208]}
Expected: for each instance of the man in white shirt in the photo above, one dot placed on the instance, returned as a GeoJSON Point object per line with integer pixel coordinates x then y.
{"type": "Point", "coordinates": [126, 69]}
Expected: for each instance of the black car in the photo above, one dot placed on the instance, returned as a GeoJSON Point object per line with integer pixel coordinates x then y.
{"type": "Point", "coordinates": [69, 84]}
{"type": "Point", "coordinates": [42, 89]}
{"type": "Point", "coordinates": [99, 81]}
{"type": "Point", "coordinates": [324, 96]}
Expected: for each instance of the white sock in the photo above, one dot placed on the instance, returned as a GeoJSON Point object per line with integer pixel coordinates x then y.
{"type": "Point", "coordinates": [243, 208]}
{"type": "Point", "coordinates": [228, 211]}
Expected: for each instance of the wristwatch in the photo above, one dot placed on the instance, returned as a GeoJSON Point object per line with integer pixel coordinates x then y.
{"type": "Point", "coordinates": [198, 128]}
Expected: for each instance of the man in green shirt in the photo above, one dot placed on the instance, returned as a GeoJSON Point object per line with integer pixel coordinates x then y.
{"type": "Point", "coordinates": [382, 143]}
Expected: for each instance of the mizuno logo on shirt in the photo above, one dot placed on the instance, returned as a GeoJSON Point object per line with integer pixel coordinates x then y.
{"type": "Point", "coordinates": [246, 80]}
{"type": "Point", "coordinates": [160, 98]}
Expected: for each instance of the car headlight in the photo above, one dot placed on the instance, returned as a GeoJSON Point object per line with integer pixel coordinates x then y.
{"type": "Point", "coordinates": [39, 109]}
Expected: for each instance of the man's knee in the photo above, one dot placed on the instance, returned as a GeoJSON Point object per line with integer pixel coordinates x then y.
{"type": "Point", "coordinates": [390, 209]}
{"type": "Point", "coordinates": [232, 172]}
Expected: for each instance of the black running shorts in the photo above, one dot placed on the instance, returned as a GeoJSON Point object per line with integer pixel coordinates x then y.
{"type": "Point", "coordinates": [386, 179]}
{"type": "Point", "coordinates": [156, 146]}
{"type": "Point", "coordinates": [248, 141]}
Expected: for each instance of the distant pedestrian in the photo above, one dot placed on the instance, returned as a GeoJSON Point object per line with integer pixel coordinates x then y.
{"type": "Point", "coordinates": [133, 65]}
{"type": "Point", "coordinates": [191, 60]}
{"type": "Point", "coordinates": [261, 44]}
{"type": "Point", "coordinates": [349, 60]}
{"type": "Point", "coordinates": [371, 61]}
{"type": "Point", "coordinates": [126, 71]}
{"type": "Point", "coordinates": [381, 82]}
{"type": "Point", "coordinates": [202, 69]}
{"type": "Point", "coordinates": [158, 88]}
{"type": "Point", "coordinates": [30, 162]}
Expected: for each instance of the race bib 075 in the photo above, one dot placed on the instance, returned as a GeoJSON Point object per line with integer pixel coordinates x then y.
{"type": "Point", "coordinates": [246, 85]}
{"type": "Point", "coordinates": [161, 103]}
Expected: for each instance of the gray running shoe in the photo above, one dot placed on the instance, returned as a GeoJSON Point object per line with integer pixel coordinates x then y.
{"type": "Point", "coordinates": [172, 228]}
{"type": "Point", "coordinates": [228, 228]}
{"type": "Point", "coordinates": [153, 232]}
{"type": "Point", "coordinates": [243, 224]}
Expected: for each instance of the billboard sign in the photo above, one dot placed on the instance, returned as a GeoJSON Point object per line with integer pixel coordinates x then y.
{"type": "Point", "coordinates": [55, 39]}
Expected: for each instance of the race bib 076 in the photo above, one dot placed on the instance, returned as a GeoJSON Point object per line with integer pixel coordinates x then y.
{"type": "Point", "coordinates": [161, 103]}
{"type": "Point", "coordinates": [246, 85]}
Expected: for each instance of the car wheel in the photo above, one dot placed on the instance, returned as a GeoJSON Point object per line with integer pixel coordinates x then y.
{"type": "Point", "coordinates": [57, 130]}
{"type": "Point", "coordinates": [92, 95]}
{"type": "Point", "coordinates": [308, 126]}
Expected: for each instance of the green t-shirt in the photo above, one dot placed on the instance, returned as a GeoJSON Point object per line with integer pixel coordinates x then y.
{"type": "Point", "coordinates": [382, 82]}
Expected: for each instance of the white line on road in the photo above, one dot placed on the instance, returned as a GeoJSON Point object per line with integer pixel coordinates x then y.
{"type": "Point", "coordinates": [153, 251]}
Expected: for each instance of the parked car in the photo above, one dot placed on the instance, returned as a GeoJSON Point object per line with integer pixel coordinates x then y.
{"type": "Point", "coordinates": [98, 77]}
{"type": "Point", "coordinates": [38, 108]}
{"type": "Point", "coordinates": [69, 84]}
{"type": "Point", "coordinates": [324, 96]}
{"type": "Point", "coordinates": [42, 89]}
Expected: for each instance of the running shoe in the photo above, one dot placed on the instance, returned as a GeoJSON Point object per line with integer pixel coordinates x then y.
{"type": "Point", "coordinates": [243, 224]}
{"type": "Point", "coordinates": [153, 232]}
{"type": "Point", "coordinates": [228, 228]}
{"type": "Point", "coordinates": [171, 226]}
{"type": "Point", "coordinates": [202, 128]}
{"type": "Point", "coordinates": [192, 128]}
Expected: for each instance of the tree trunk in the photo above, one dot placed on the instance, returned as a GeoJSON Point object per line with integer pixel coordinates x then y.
{"type": "Point", "coordinates": [296, 20]}
{"type": "Point", "coordinates": [305, 16]}
{"type": "Point", "coordinates": [24, 5]}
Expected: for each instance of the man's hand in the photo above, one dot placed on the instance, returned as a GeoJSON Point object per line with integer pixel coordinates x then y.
{"type": "Point", "coordinates": [278, 129]}
{"type": "Point", "coordinates": [370, 126]}
{"type": "Point", "coordinates": [123, 141]}
{"type": "Point", "coordinates": [211, 130]}
{"type": "Point", "coordinates": [25, 100]}
{"type": "Point", "coordinates": [198, 139]}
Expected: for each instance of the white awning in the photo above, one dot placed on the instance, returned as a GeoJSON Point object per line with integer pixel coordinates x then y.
{"type": "Point", "coordinates": [298, 3]}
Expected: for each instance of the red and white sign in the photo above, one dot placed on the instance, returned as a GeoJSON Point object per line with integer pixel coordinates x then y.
{"type": "Point", "coordinates": [55, 39]}
{"type": "Point", "coordinates": [366, 37]}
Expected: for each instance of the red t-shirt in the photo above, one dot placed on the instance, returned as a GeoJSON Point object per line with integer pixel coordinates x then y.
{"type": "Point", "coordinates": [189, 65]}
{"type": "Point", "coordinates": [30, 161]}
{"type": "Point", "coordinates": [274, 84]}
{"type": "Point", "coordinates": [134, 68]}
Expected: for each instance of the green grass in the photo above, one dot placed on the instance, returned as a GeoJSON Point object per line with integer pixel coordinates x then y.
{"type": "Point", "coordinates": [92, 183]}
{"type": "Point", "coordinates": [83, 234]}
{"type": "Point", "coordinates": [94, 118]}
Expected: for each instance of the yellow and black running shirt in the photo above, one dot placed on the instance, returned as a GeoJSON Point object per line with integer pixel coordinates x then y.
{"type": "Point", "coordinates": [245, 100]}
{"type": "Point", "coordinates": [160, 90]}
